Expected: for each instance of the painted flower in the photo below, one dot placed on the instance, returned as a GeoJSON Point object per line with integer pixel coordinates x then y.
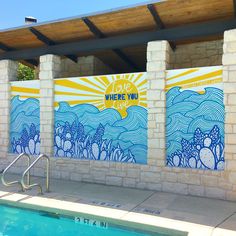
{"type": "Point", "coordinates": [71, 141]}
{"type": "Point", "coordinates": [29, 142]}
{"type": "Point", "coordinates": [205, 152]}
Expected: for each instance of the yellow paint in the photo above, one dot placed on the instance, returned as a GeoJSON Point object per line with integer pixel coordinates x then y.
{"type": "Point", "coordinates": [90, 82]}
{"type": "Point", "coordinates": [74, 85]}
{"type": "Point", "coordinates": [24, 90]}
{"type": "Point", "coordinates": [25, 97]}
{"type": "Point", "coordinates": [137, 78]}
{"type": "Point", "coordinates": [201, 83]}
{"type": "Point", "coordinates": [195, 79]}
{"type": "Point", "coordinates": [182, 74]}
{"type": "Point", "coordinates": [124, 87]}
{"type": "Point", "coordinates": [76, 94]}
{"type": "Point", "coordinates": [93, 90]}
{"type": "Point", "coordinates": [76, 102]}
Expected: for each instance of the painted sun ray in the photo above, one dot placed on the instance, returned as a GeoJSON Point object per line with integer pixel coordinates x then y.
{"type": "Point", "coordinates": [76, 102]}
{"type": "Point", "coordinates": [98, 79]}
{"type": "Point", "coordinates": [132, 77]}
{"type": "Point", "coordinates": [71, 84]}
{"type": "Point", "coordinates": [139, 76]}
{"type": "Point", "coordinates": [144, 82]}
{"type": "Point", "coordinates": [201, 83]}
{"type": "Point", "coordinates": [105, 80]}
{"type": "Point", "coordinates": [72, 90]}
{"type": "Point", "coordinates": [182, 74]}
{"type": "Point", "coordinates": [144, 93]}
{"type": "Point", "coordinates": [91, 83]}
{"type": "Point", "coordinates": [24, 90]}
{"type": "Point", "coordinates": [143, 104]}
{"type": "Point", "coordinates": [197, 78]}
{"type": "Point", "coordinates": [101, 107]}
{"type": "Point", "coordinates": [214, 80]}
{"type": "Point", "coordinates": [76, 94]}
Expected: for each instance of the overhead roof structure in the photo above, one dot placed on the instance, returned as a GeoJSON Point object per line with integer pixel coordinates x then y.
{"type": "Point", "coordinates": [118, 37]}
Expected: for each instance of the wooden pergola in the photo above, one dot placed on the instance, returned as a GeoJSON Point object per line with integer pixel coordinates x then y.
{"type": "Point", "coordinates": [119, 37]}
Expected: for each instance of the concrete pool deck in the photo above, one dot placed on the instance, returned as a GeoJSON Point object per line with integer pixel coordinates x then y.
{"type": "Point", "coordinates": [195, 215]}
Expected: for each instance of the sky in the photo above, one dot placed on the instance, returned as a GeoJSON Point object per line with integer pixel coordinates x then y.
{"type": "Point", "coordinates": [13, 12]}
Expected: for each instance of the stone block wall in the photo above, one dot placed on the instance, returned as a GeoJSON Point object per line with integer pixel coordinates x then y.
{"type": "Point", "coordinates": [85, 66]}
{"type": "Point", "coordinates": [197, 54]}
{"type": "Point", "coordinates": [155, 175]}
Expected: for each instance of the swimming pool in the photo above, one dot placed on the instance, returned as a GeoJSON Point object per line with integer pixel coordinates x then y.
{"type": "Point", "coordinates": [16, 221]}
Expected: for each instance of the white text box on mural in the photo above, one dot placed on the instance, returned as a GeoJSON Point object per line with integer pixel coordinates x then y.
{"type": "Point", "coordinates": [102, 118]}
{"type": "Point", "coordinates": [25, 117]}
{"type": "Point", "coordinates": [195, 118]}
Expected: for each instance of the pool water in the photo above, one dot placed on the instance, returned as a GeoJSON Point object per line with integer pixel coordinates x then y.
{"type": "Point", "coordinates": [20, 222]}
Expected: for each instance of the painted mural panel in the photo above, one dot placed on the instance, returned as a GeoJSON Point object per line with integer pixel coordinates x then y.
{"type": "Point", "coordinates": [195, 118]}
{"type": "Point", "coordinates": [102, 118]}
{"type": "Point", "coordinates": [25, 117]}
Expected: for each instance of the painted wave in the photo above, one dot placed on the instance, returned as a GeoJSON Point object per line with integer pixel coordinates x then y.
{"type": "Point", "coordinates": [103, 132]}
{"type": "Point", "coordinates": [187, 113]}
{"type": "Point", "coordinates": [25, 126]}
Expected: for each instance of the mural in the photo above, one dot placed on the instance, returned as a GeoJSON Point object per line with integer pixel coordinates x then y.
{"type": "Point", "coordinates": [195, 118]}
{"type": "Point", "coordinates": [25, 117]}
{"type": "Point", "coordinates": [102, 118]}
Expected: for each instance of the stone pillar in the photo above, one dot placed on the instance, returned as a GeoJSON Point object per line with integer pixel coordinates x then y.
{"type": "Point", "coordinates": [157, 63]}
{"type": "Point", "coordinates": [8, 73]}
{"type": "Point", "coordinates": [229, 79]}
{"type": "Point", "coordinates": [49, 70]}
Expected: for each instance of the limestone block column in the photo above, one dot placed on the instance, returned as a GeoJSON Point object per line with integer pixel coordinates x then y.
{"type": "Point", "coordinates": [8, 73]}
{"type": "Point", "coordinates": [50, 68]}
{"type": "Point", "coordinates": [229, 78]}
{"type": "Point", "coordinates": [158, 57]}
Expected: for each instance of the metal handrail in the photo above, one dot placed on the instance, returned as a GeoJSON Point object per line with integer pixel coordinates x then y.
{"type": "Point", "coordinates": [10, 165]}
{"type": "Point", "coordinates": [36, 184]}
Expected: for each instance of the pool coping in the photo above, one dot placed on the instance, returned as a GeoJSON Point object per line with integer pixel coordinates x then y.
{"type": "Point", "coordinates": [138, 221]}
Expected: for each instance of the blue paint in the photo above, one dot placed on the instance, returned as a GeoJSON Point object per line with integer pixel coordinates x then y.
{"type": "Point", "coordinates": [25, 126]}
{"type": "Point", "coordinates": [85, 132]}
{"type": "Point", "coordinates": [195, 129]}
{"type": "Point", "coordinates": [18, 221]}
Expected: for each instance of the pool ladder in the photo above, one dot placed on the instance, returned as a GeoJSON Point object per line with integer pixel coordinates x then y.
{"type": "Point", "coordinates": [26, 186]}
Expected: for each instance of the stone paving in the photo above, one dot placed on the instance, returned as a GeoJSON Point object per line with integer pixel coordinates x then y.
{"type": "Point", "coordinates": [195, 215]}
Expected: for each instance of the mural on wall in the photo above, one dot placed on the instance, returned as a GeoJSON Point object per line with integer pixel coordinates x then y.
{"type": "Point", "coordinates": [195, 118]}
{"type": "Point", "coordinates": [102, 118]}
{"type": "Point", "coordinates": [25, 117]}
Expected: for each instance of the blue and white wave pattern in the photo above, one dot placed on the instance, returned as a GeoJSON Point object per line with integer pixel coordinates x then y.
{"type": "Point", "coordinates": [25, 126]}
{"type": "Point", "coordinates": [195, 129]}
{"type": "Point", "coordinates": [84, 132]}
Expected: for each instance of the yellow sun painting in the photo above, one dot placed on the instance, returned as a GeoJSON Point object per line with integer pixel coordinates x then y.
{"type": "Point", "coordinates": [108, 91]}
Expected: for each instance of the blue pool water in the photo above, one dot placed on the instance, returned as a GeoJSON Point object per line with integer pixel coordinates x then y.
{"type": "Point", "coordinates": [21, 222]}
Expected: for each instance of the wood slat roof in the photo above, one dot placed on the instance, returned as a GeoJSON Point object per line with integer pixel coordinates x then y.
{"type": "Point", "coordinates": [173, 13]}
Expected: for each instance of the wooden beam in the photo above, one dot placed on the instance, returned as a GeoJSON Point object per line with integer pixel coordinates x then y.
{"type": "Point", "coordinates": [159, 24]}
{"type": "Point", "coordinates": [49, 42]}
{"type": "Point", "coordinates": [156, 17]}
{"type": "Point", "coordinates": [93, 28]}
{"type": "Point", "coordinates": [184, 32]}
{"type": "Point", "coordinates": [99, 34]}
{"type": "Point", "coordinates": [6, 48]}
{"type": "Point", "coordinates": [234, 2]}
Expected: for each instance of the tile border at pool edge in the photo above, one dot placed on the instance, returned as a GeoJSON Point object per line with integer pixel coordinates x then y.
{"type": "Point", "coordinates": [110, 215]}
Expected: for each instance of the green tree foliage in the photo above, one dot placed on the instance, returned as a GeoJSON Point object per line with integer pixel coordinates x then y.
{"type": "Point", "coordinates": [25, 72]}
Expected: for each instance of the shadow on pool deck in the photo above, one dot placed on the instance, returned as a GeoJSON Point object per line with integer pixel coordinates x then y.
{"type": "Point", "coordinates": [213, 217]}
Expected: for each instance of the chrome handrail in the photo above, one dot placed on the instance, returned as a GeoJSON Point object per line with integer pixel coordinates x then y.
{"type": "Point", "coordinates": [9, 166]}
{"type": "Point", "coordinates": [36, 184]}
